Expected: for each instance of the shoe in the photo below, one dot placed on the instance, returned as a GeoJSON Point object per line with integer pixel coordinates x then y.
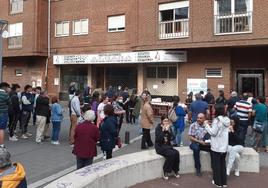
{"type": "Point", "coordinates": [56, 143]}
{"type": "Point", "coordinates": [29, 134]}
{"type": "Point", "coordinates": [46, 137]}
{"type": "Point", "coordinates": [24, 136]}
{"type": "Point", "coordinates": [13, 138]}
{"type": "Point", "coordinates": [228, 170]}
{"type": "Point", "coordinates": [165, 176]}
{"type": "Point", "coordinates": [39, 142]}
{"type": "Point", "coordinates": [215, 184]}
{"type": "Point", "coordinates": [175, 145]}
{"type": "Point", "coordinates": [198, 173]}
{"type": "Point", "coordinates": [237, 173]}
{"type": "Point", "coordinates": [151, 146]}
{"type": "Point", "coordinates": [176, 174]}
{"type": "Point", "coordinates": [224, 186]}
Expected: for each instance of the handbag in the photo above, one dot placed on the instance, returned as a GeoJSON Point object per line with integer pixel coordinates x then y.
{"type": "Point", "coordinates": [258, 126]}
{"type": "Point", "coordinates": [172, 115]}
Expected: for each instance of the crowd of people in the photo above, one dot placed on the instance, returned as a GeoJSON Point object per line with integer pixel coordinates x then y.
{"type": "Point", "coordinates": [217, 125]}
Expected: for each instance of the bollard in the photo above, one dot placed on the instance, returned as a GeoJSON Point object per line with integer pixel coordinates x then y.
{"type": "Point", "coordinates": [127, 137]}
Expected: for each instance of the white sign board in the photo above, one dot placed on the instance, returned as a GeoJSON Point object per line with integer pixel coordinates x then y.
{"type": "Point", "coordinates": [124, 57]}
{"type": "Point", "coordinates": [197, 85]}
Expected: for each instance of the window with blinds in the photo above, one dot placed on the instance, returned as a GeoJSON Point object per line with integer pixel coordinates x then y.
{"type": "Point", "coordinates": [15, 35]}
{"type": "Point", "coordinates": [62, 29]}
{"type": "Point", "coordinates": [16, 6]}
{"type": "Point", "coordinates": [80, 27]}
{"type": "Point", "coordinates": [116, 23]}
{"type": "Point", "coordinates": [214, 73]}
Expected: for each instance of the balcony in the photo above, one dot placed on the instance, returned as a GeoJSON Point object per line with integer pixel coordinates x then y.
{"type": "Point", "coordinates": [233, 23]}
{"type": "Point", "coordinates": [174, 29]}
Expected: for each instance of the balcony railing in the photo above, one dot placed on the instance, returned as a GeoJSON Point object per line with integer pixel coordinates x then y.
{"type": "Point", "coordinates": [233, 23]}
{"type": "Point", "coordinates": [174, 29]}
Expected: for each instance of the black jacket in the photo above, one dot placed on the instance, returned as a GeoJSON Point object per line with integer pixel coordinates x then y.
{"type": "Point", "coordinates": [236, 138]}
{"type": "Point", "coordinates": [14, 106]}
{"type": "Point", "coordinates": [162, 140]}
{"type": "Point", "coordinates": [42, 106]}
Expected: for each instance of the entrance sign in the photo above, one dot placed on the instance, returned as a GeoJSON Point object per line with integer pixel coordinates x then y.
{"type": "Point", "coordinates": [124, 57]}
{"type": "Point", "coordinates": [197, 85]}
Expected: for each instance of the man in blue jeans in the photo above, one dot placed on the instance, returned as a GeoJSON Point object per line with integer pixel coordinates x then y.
{"type": "Point", "coordinates": [197, 134]}
{"type": "Point", "coordinates": [4, 103]}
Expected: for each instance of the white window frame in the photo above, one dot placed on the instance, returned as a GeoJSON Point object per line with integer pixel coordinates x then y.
{"type": "Point", "coordinates": [81, 32]}
{"type": "Point", "coordinates": [216, 12]}
{"type": "Point", "coordinates": [18, 4]}
{"type": "Point", "coordinates": [62, 25]}
{"type": "Point", "coordinates": [15, 31]}
{"type": "Point", "coordinates": [116, 28]}
{"type": "Point", "coordinates": [213, 76]}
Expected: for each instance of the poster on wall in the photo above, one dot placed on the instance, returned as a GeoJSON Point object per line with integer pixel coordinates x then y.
{"type": "Point", "coordinates": [197, 85]}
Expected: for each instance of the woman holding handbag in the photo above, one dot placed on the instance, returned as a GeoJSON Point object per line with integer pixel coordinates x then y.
{"type": "Point", "coordinates": [260, 122]}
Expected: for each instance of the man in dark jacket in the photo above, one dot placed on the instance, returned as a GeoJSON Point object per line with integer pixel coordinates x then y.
{"type": "Point", "coordinates": [42, 112]}
{"type": "Point", "coordinates": [13, 111]}
{"type": "Point", "coordinates": [11, 174]}
{"type": "Point", "coordinates": [27, 101]}
{"type": "Point", "coordinates": [4, 103]}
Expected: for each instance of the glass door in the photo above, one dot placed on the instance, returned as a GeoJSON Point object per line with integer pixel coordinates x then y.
{"type": "Point", "coordinates": [250, 83]}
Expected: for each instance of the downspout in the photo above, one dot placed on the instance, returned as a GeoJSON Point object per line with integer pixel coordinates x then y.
{"type": "Point", "coordinates": [48, 44]}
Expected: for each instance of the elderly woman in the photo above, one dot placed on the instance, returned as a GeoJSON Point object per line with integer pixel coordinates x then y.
{"type": "Point", "coordinates": [163, 136]}
{"type": "Point", "coordinates": [219, 144]}
{"type": "Point", "coordinates": [85, 138]}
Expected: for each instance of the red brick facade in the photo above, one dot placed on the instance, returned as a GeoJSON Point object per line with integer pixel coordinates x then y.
{"type": "Point", "coordinates": [231, 53]}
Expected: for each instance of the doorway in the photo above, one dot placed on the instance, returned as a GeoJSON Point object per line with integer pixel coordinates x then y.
{"type": "Point", "coordinates": [251, 81]}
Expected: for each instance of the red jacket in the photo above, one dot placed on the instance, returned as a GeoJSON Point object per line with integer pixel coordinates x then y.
{"type": "Point", "coordinates": [85, 138]}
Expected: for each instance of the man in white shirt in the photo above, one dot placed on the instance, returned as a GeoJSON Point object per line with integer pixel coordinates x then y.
{"type": "Point", "coordinates": [75, 110]}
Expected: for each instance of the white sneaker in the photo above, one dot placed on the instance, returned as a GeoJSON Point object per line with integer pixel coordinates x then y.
{"type": "Point", "coordinates": [29, 134]}
{"type": "Point", "coordinates": [237, 173]}
{"type": "Point", "coordinates": [24, 136]}
{"type": "Point", "coordinates": [13, 138]}
{"type": "Point", "coordinates": [228, 170]}
{"type": "Point", "coordinates": [177, 175]}
{"type": "Point", "coordinates": [55, 142]}
{"type": "Point", "coordinates": [165, 176]}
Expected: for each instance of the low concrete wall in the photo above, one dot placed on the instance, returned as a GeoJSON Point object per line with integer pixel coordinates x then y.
{"type": "Point", "coordinates": [128, 170]}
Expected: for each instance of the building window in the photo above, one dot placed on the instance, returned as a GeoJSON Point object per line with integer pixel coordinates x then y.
{"type": "Point", "coordinates": [62, 29]}
{"type": "Point", "coordinates": [233, 16]}
{"type": "Point", "coordinates": [80, 27]}
{"type": "Point", "coordinates": [214, 73]}
{"type": "Point", "coordinates": [15, 35]}
{"type": "Point", "coordinates": [161, 72]}
{"type": "Point", "coordinates": [18, 72]}
{"type": "Point", "coordinates": [16, 6]}
{"type": "Point", "coordinates": [116, 23]}
{"type": "Point", "coordinates": [174, 20]}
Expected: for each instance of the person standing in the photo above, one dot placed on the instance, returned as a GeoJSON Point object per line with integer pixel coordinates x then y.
{"type": "Point", "coordinates": [13, 111]}
{"type": "Point", "coordinates": [126, 99]}
{"type": "Point", "coordinates": [179, 124]}
{"type": "Point", "coordinates": [260, 114]}
{"type": "Point", "coordinates": [231, 103]}
{"type": "Point", "coordinates": [100, 110]}
{"type": "Point", "coordinates": [71, 90]}
{"type": "Point", "coordinates": [209, 97]}
{"type": "Point", "coordinates": [196, 107]}
{"type": "Point", "coordinates": [27, 100]}
{"type": "Point", "coordinates": [4, 103]}
{"type": "Point", "coordinates": [244, 112]}
{"type": "Point", "coordinates": [219, 130]}
{"type": "Point", "coordinates": [147, 121]}
{"type": "Point", "coordinates": [75, 112]}
{"type": "Point", "coordinates": [163, 136]}
{"type": "Point", "coordinates": [56, 118]}
{"type": "Point", "coordinates": [42, 111]}
{"type": "Point", "coordinates": [36, 95]}
{"type": "Point", "coordinates": [108, 131]}
{"type": "Point", "coordinates": [85, 138]}
{"type": "Point", "coordinates": [197, 135]}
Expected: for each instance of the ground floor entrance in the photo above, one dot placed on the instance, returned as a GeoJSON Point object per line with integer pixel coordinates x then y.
{"type": "Point", "coordinates": [251, 81]}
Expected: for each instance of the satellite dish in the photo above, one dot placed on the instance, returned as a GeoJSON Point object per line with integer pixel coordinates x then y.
{"type": "Point", "coordinates": [5, 34]}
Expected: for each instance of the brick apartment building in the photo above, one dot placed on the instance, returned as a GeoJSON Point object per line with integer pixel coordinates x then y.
{"type": "Point", "coordinates": [161, 45]}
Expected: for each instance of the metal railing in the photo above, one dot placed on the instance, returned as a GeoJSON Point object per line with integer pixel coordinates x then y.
{"type": "Point", "coordinates": [174, 29]}
{"type": "Point", "coordinates": [233, 23]}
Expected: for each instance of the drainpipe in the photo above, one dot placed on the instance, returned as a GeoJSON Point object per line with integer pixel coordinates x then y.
{"type": "Point", "coordinates": [48, 44]}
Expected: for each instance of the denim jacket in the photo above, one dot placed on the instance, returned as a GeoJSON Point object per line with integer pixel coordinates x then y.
{"type": "Point", "coordinates": [56, 110]}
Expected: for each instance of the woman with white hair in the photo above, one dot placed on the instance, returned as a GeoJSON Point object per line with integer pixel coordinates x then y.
{"type": "Point", "coordinates": [85, 138]}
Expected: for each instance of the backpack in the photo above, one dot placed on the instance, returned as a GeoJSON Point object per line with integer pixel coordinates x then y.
{"type": "Point", "coordinates": [172, 115]}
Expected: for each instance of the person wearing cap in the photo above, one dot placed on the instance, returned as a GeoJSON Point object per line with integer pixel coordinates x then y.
{"type": "Point", "coordinates": [86, 136]}
{"type": "Point", "coordinates": [11, 174]}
